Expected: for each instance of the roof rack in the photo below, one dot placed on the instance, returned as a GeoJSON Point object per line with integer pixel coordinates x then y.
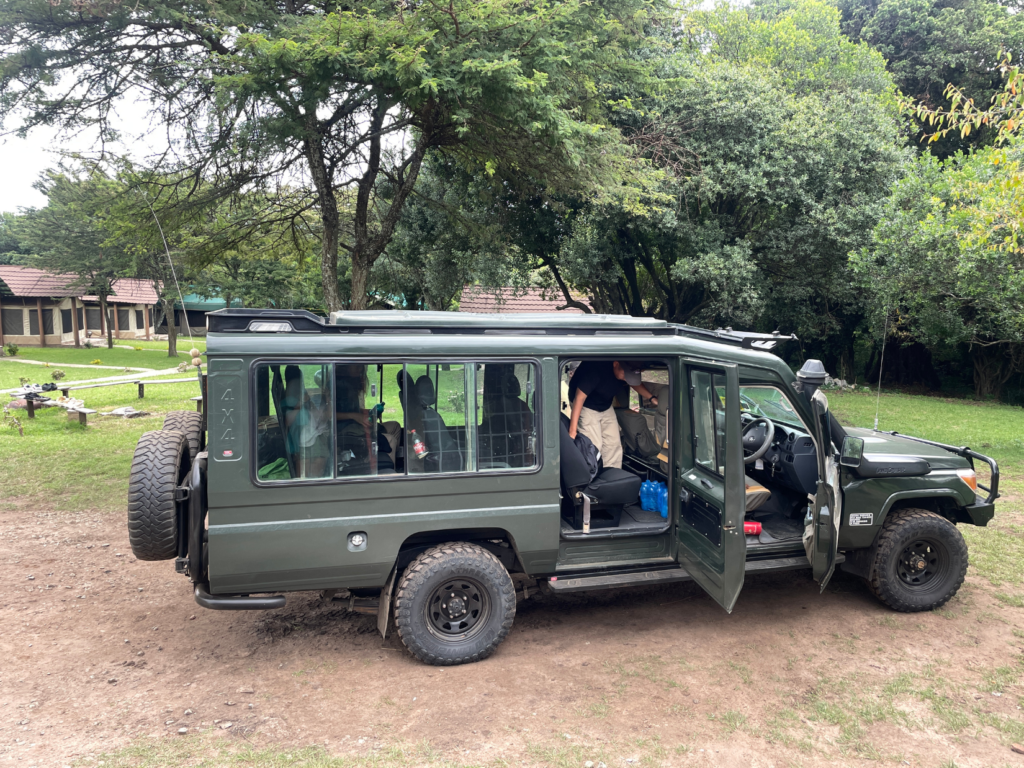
{"type": "Point", "coordinates": [746, 339]}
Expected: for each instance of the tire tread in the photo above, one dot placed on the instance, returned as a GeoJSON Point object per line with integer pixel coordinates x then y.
{"type": "Point", "coordinates": [417, 574]}
{"type": "Point", "coordinates": [889, 538]}
{"type": "Point", "coordinates": [152, 513]}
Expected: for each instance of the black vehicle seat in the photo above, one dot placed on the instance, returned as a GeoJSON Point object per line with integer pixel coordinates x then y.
{"type": "Point", "coordinates": [755, 494]}
{"type": "Point", "coordinates": [444, 454]}
{"type": "Point", "coordinates": [605, 495]}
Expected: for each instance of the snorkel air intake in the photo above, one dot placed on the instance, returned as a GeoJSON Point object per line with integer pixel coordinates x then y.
{"type": "Point", "coordinates": [811, 376]}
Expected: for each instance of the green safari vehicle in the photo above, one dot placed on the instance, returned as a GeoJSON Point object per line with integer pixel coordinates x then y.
{"type": "Point", "coordinates": [418, 466]}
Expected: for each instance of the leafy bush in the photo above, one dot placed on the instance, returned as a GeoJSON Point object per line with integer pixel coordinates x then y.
{"type": "Point", "coordinates": [57, 374]}
{"type": "Point", "coordinates": [97, 361]}
{"type": "Point", "coordinates": [12, 349]}
{"type": "Point", "coordinates": [137, 349]}
{"type": "Point", "coordinates": [88, 344]}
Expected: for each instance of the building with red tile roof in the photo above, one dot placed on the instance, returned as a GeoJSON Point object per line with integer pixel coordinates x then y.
{"type": "Point", "coordinates": [507, 300]}
{"type": "Point", "coordinates": [39, 307]}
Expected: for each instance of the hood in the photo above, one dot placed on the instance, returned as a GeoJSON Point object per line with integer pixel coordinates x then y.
{"type": "Point", "coordinates": [896, 445]}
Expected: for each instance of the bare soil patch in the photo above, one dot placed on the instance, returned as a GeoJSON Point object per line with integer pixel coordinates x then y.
{"type": "Point", "coordinates": [100, 650]}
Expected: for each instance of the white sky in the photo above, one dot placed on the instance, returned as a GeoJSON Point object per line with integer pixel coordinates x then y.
{"type": "Point", "coordinates": [23, 160]}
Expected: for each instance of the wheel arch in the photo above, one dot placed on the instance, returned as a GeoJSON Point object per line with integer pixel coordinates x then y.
{"type": "Point", "coordinates": [498, 541]}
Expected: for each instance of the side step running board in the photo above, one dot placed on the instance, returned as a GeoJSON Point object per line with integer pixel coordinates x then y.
{"type": "Point", "coordinates": [643, 578]}
{"type": "Point", "coordinates": [237, 602]}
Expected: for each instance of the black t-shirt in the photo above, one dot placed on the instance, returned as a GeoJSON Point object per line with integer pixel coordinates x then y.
{"type": "Point", "coordinates": [597, 380]}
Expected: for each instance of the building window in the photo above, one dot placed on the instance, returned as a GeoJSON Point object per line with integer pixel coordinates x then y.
{"type": "Point", "coordinates": [13, 322]}
{"type": "Point", "coordinates": [123, 323]}
{"type": "Point", "coordinates": [140, 320]}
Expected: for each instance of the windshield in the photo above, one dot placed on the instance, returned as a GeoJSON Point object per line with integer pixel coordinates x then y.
{"type": "Point", "coordinates": [769, 402]}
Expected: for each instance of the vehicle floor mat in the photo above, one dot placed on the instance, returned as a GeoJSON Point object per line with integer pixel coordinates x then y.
{"type": "Point", "coordinates": [643, 516]}
{"type": "Point", "coordinates": [775, 527]}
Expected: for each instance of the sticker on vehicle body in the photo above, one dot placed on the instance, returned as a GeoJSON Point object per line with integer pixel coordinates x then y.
{"type": "Point", "coordinates": [862, 518]}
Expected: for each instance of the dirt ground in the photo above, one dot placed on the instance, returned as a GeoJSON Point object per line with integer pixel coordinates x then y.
{"type": "Point", "coordinates": [100, 651]}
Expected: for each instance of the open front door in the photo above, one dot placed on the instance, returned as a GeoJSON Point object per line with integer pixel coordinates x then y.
{"type": "Point", "coordinates": [712, 547]}
{"type": "Point", "coordinates": [821, 537]}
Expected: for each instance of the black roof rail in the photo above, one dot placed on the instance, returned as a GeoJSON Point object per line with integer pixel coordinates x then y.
{"type": "Point", "coordinates": [236, 319]}
{"type": "Point", "coordinates": [764, 342]}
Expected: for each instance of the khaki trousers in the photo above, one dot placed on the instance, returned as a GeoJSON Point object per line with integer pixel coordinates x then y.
{"type": "Point", "coordinates": [603, 430]}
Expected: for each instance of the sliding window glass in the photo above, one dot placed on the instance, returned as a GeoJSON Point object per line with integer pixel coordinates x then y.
{"type": "Point", "coordinates": [294, 422]}
{"type": "Point", "coordinates": [506, 423]}
{"type": "Point", "coordinates": [436, 418]}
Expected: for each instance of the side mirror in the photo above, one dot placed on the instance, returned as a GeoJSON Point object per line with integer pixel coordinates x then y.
{"type": "Point", "coordinates": [853, 451]}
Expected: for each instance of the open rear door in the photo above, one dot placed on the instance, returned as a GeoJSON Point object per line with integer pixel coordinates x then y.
{"type": "Point", "coordinates": [821, 541]}
{"type": "Point", "coordinates": [712, 547]}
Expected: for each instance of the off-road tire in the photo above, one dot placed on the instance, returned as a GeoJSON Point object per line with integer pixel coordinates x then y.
{"type": "Point", "coordinates": [900, 531]}
{"type": "Point", "coordinates": [428, 573]}
{"type": "Point", "coordinates": [190, 424]}
{"type": "Point", "coordinates": [159, 465]}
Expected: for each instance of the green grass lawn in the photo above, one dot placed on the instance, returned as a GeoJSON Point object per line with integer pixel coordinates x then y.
{"type": "Point", "coordinates": [66, 466]}
{"type": "Point", "coordinates": [117, 356]}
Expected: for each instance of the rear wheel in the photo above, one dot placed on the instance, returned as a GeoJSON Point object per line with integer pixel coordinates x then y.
{"type": "Point", "coordinates": [158, 467]}
{"type": "Point", "coordinates": [455, 604]}
{"type": "Point", "coordinates": [920, 563]}
{"type": "Point", "coordinates": [190, 424]}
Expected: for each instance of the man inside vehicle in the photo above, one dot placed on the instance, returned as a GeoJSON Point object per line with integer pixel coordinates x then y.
{"type": "Point", "coordinates": [592, 391]}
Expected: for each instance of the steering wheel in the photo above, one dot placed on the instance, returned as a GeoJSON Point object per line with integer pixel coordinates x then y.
{"type": "Point", "coordinates": [754, 442]}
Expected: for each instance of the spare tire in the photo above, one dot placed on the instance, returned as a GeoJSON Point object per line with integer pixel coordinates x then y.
{"type": "Point", "coordinates": [190, 424]}
{"type": "Point", "coordinates": [159, 466]}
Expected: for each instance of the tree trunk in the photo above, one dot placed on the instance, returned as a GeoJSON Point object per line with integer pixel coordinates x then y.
{"type": "Point", "coordinates": [106, 321]}
{"type": "Point", "coordinates": [328, 204]}
{"type": "Point", "coordinates": [992, 368]}
{"type": "Point", "coordinates": [172, 329]}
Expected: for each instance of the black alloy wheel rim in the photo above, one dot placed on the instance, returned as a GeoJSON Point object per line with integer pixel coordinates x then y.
{"type": "Point", "coordinates": [457, 609]}
{"type": "Point", "coordinates": [922, 564]}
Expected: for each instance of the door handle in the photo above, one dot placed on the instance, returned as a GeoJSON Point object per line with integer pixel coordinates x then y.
{"type": "Point", "coordinates": [706, 483]}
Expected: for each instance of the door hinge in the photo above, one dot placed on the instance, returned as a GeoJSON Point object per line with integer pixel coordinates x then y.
{"type": "Point", "coordinates": [182, 492]}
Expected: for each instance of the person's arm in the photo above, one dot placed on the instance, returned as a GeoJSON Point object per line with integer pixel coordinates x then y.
{"type": "Point", "coordinates": [645, 393]}
{"type": "Point", "coordinates": [577, 406]}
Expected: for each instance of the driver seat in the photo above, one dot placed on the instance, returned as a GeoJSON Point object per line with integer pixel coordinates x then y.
{"type": "Point", "coordinates": [755, 494]}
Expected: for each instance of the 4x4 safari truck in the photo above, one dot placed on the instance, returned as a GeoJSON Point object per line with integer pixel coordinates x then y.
{"type": "Point", "coordinates": [418, 465]}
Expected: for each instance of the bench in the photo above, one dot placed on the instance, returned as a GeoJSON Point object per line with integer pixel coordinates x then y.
{"type": "Point", "coordinates": [65, 390]}
{"type": "Point", "coordinates": [81, 415]}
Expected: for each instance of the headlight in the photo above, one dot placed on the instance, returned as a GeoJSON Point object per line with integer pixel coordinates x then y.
{"type": "Point", "coordinates": [970, 477]}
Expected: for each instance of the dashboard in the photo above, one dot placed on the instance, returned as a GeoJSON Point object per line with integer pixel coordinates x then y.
{"type": "Point", "coordinates": [790, 461]}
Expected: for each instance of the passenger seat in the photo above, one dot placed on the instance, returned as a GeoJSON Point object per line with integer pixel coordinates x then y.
{"type": "Point", "coordinates": [607, 493]}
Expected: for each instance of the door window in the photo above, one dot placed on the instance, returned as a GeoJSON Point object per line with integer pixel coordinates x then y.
{"type": "Point", "coordinates": [708, 403]}
{"type": "Point", "coordinates": [294, 422]}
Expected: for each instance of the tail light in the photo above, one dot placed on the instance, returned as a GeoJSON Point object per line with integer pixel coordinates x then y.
{"type": "Point", "coordinates": [970, 477]}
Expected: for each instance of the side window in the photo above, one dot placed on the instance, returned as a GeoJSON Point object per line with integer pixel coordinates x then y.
{"type": "Point", "coordinates": [369, 414]}
{"type": "Point", "coordinates": [435, 418]}
{"type": "Point", "coordinates": [293, 428]}
{"type": "Point", "coordinates": [708, 392]}
{"type": "Point", "coordinates": [506, 424]}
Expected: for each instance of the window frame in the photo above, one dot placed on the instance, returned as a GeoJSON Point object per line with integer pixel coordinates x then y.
{"type": "Point", "coordinates": [388, 360]}
{"type": "Point", "coordinates": [714, 374]}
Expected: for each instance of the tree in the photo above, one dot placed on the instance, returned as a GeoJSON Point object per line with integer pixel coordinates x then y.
{"type": "Point", "coordinates": [929, 44]}
{"type": "Point", "coordinates": [778, 139]}
{"type": "Point", "coordinates": [70, 234]}
{"type": "Point", "coordinates": [933, 276]}
{"type": "Point", "coordinates": [347, 97]}
{"type": "Point", "coordinates": [11, 249]}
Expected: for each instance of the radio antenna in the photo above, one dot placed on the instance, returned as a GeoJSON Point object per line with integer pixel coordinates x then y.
{"type": "Point", "coordinates": [181, 298]}
{"type": "Point", "coordinates": [881, 363]}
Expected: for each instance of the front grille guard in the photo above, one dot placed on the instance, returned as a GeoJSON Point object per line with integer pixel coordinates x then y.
{"type": "Point", "coordinates": [967, 453]}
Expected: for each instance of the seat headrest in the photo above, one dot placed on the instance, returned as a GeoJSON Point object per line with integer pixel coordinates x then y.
{"type": "Point", "coordinates": [510, 385]}
{"type": "Point", "coordinates": [425, 391]}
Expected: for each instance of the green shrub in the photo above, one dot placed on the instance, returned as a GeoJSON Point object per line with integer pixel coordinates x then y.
{"type": "Point", "coordinates": [57, 374]}
{"type": "Point", "coordinates": [97, 361]}
{"type": "Point", "coordinates": [12, 349]}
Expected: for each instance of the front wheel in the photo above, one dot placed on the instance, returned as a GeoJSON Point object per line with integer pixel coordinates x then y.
{"type": "Point", "coordinates": [455, 604]}
{"type": "Point", "coordinates": [920, 562]}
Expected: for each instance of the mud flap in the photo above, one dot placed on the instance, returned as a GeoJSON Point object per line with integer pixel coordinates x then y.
{"type": "Point", "coordinates": [384, 609]}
